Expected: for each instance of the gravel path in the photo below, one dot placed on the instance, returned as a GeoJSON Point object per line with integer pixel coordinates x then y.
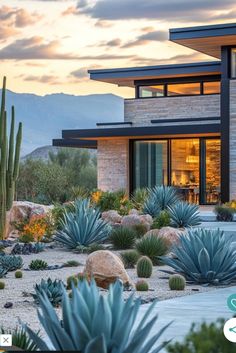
{"type": "Point", "coordinates": [24, 308]}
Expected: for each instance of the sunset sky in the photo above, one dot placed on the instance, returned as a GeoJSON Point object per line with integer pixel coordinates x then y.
{"type": "Point", "coordinates": [47, 46]}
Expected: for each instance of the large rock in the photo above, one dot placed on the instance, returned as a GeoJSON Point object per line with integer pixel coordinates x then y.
{"type": "Point", "coordinates": [20, 211]}
{"type": "Point", "coordinates": [111, 216]}
{"type": "Point", "coordinates": [134, 219]}
{"type": "Point", "coordinates": [170, 234]}
{"type": "Point", "coordinates": [106, 267]}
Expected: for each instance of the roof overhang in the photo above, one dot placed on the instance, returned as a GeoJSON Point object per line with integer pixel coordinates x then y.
{"type": "Point", "coordinates": [91, 144]}
{"type": "Point", "coordinates": [127, 76]}
{"type": "Point", "coordinates": [206, 39]}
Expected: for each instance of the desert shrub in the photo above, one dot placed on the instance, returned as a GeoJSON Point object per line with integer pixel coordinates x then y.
{"type": "Point", "coordinates": [153, 247]}
{"type": "Point", "coordinates": [231, 204]}
{"type": "Point", "coordinates": [184, 214]}
{"type": "Point", "coordinates": [26, 238]}
{"type": "Point", "coordinates": [35, 229]}
{"type": "Point", "coordinates": [139, 197]}
{"type": "Point", "coordinates": [82, 227]}
{"type": "Point", "coordinates": [38, 265]}
{"type": "Point", "coordinates": [20, 339]}
{"type": "Point", "coordinates": [130, 258]}
{"type": "Point", "coordinates": [204, 256]}
{"type": "Point", "coordinates": [94, 247]}
{"type": "Point", "coordinates": [52, 289]}
{"type": "Point", "coordinates": [117, 200]}
{"type": "Point", "coordinates": [204, 338]}
{"type": "Point", "coordinates": [123, 238]}
{"type": "Point", "coordinates": [97, 316]}
{"type": "Point", "coordinates": [224, 213]}
{"type": "Point", "coordinates": [162, 220]}
{"type": "Point", "coordinates": [159, 199]}
{"type": "Point", "coordinates": [71, 263]}
{"type": "Point", "coordinates": [140, 229]}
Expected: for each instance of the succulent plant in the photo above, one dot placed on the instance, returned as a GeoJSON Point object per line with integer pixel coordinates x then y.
{"type": "Point", "coordinates": [2, 285]}
{"type": "Point", "coordinates": [184, 215]}
{"type": "Point", "coordinates": [153, 247]}
{"type": "Point", "coordinates": [144, 267]}
{"type": "Point", "coordinates": [130, 258]}
{"type": "Point", "coordinates": [71, 263]}
{"type": "Point", "coordinates": [38, 265]}
{"type": "Point", "coordinates": [72, 279]}
{"type": "Point", "coordinates": [159, 199]}
{"type": "Point", "coordinates": [162, 220]}
{"type": "Point", "coordinates": [83, 226]}
{"type": "Point", "coordinates": [52, 289]}
{"type": "Point", "coordinates": [123, 238]}
{"type": "Point", "coordinates": [142, 286]}
{"type": "Point", "coordinates": [20, 339]}
{"type": "Point", "coordinates": [18, 274]}
{"type": "Point", "coordinates": [3, 272]}
{"type": "Point", "coordinates": [177, 282]}
{"type": "Point", "coordinates": [39, 247]}
{"type": "Point", "coordinates": [224, 213]}
{"type": "Point", "coordinates": [11, 262]}
{"type": "Point", "coordinates": [204, 256]}
{"type": "Point", "coordinates": [92, 322]}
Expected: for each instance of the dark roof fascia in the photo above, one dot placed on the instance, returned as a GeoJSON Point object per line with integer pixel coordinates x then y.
{"type": "Point", "coordinates": [142, 131]}
{"type": "Point", "coordinates": [115, 123]}
{"type": "Point", "coordinates": [91, 144]}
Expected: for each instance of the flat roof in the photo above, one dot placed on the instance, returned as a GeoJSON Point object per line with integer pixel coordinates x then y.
{"type": "Point", "coordinates": [127, 76]}
{"type": "Point", "coordinates": [91, 144]}
{"type": "Point", "coordinates": [205, 39]}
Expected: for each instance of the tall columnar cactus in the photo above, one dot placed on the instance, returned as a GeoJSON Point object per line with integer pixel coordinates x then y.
{"type": "Point", "coordinates": [9, 160]}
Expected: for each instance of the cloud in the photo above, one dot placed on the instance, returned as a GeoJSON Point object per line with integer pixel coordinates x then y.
{"type": "Point", "coordinates": [103, 24]}
{"type": "Point", "coordinates": [177, 10]}
{"type": "Point", "coordinates": [48, 79]}
{"type": "Point", "coordinates": [158, 36]}
{"type": "Point", "coordinates": [176, 59]}
{"type": "Point", "coordinates": [80, 73]}
{"type": "Point", "coordinates": [23, 18]}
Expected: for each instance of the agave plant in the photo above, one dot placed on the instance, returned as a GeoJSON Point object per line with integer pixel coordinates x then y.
{"type": "Point", "coordinates": [20, 339]}
{"type": "Point", "coordinates": [184, 214]}
{"type": "Point", "coordinates": [11, 262]}
{"type": "Point", "coordinates": [92, 322]}
{"type": "Point", "coordinates": [159, 199]}
{"type": "Point", "coordinates": [52, 289]}
{"type": "Point", "coordinates": [83, 226]}
{"type": "Point", "coordinates": [3, 272]}
{"type": "Point", "coordinates": [204, 256]}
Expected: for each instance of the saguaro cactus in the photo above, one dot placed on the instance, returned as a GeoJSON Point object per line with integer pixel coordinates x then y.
{"type": "Point", "coordinates": [9, 160]}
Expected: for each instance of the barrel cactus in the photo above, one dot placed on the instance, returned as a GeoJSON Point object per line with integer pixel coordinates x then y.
{"type": "Point", "coordinates": [142, 286]}
{"type": "Point", "coordinates": [177, 282]}
{"type": "Point", "coordinates": [144, 267]}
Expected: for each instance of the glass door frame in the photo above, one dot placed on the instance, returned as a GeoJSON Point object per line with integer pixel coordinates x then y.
{"type": "Point", "coordinates": [202, 161]}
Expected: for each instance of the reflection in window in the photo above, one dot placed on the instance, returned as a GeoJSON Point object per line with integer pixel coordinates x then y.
{"type": "Point", "coordinates": [233, 62]}
{"type": "Point", "coordinates": [211, 87]}
{"type": "Point", "coordinates": [151, 91]}
{"type": "Point", "coordinates": [177, 89]}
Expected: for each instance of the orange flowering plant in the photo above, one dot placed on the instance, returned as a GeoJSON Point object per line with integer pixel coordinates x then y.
{"type": "Point", "coordinates": [38, 227]}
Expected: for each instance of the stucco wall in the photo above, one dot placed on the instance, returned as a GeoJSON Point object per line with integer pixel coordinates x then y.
{"type": "Point", "coordinates": [113, 161]}
{"type": "Point", "coordinates": [142, 111]}
{"type": "Point", "coordinates": [232, 139]}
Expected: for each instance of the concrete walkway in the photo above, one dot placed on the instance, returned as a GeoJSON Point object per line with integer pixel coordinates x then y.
{"type": "Point", "coordinates": [194, 308]}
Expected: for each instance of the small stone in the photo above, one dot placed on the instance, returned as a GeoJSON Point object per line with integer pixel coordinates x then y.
{"type": "Point", "coordinates": [8, 305]}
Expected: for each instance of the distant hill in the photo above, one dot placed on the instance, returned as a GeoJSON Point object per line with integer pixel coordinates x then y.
{"type": "Point", "coordinates": [44, 117]}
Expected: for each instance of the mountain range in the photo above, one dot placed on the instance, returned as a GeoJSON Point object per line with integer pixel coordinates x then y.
{"type": "Point", "coordinates": [44, 117]}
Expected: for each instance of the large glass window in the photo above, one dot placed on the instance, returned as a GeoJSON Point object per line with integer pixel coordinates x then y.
{"type": "Point", "coordinates": [150, 163]}
{"type": "Point", "coordinates": [151, 91]}
{"type": "Point", "coordinates": [211, 188]}
{"type": "Point", "coordinates": [180, 89]}
{"type": "Point", "coordinates": [233, 63]}
{"type": "Point", "coordinates": [211, 87]}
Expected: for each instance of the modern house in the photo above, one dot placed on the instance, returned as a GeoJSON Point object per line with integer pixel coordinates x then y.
{"type": "Point", "coordinates": [180, 129]}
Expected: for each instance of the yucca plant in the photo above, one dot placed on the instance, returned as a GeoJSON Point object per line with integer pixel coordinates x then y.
{"type": "Point", "coordinates": [11, 262]}
{"type": "Point", "coordinates": [159, 199]}
{"type": "Point", "coordinates": [82, 227]}
{"type": "Point", "coordinates": [204, 256]}
{"type": "Point", "coordinates": [184, 214]}
{"type": "Point", "coordinates": [123, 238]}
{"type": "Point", "coordinates": [52, 289]}
{"type": "Point", "coordinates": [152, 247]}
{"type": "Point", "coordinates": [92, 322]}
{"type": "Point", "coordinates": [20, 339]}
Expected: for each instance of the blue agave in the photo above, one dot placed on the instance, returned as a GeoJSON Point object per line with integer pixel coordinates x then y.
{"type": "Point", "coordinates": [204, 256]}
{"type": "Point", "coordinates": [92, 322]}
{"type": "Point", "coordinates": [83, 227]}
{"type": "Point", "coordinates": [159, 199]}
{"type": "Point", "coordinates": [183, 214]}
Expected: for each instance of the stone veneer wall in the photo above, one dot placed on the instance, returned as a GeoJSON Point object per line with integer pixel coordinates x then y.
{"type": "Point", "coordinates": [113, 164]}
{"type": "Point", "coordinates": [232, 139]}
{"type": "Point", "coordinates": [142, 111]}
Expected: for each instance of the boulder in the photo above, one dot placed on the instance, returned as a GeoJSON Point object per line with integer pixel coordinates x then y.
{"type": "Point", "coordinates": [171, 235]}
{"type": "Point", "coordinates": [134, 219]}
{"type": "Point", "coordinates": [134, 211]}
{"type": "Point", "coordinates": [106, 267]}
{"type": "Point", "coordinates": [111, 216]}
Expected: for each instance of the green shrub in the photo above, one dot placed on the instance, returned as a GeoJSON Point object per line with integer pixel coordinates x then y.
{"type": "Point", "coordinates": [26, 238]}
{"type": "Point", "coordinates": [159, 199]}
{"type": "Point", "coordinates": [96, 315]}
{"type": "Point", "coordinates": [204, 256]}
{"type": "Point", "coordinates": [18, 274]}
{"type": "Point", "coordinates": [21, 339]}
{"type": "Point", "coordinates": [153, 247]}
{"type": "Point", "coordinates": [52, 289]}
{"type": "Point", "coordinates": [184, 215]}
{"type": "Point", "coordinates": [11, 262]}
{"type": "Point", "coordinates": [38, 265]}
{"type": "Point", "coordinates": [82, 227]}
{"type": "Point", "coordinates": [177, 282]}
{"type": "Point", "coordinates": [224, 213]}
{"type": "Point", "coordinates": [130, 258]}
{"type": "Point", "coordinates": [162, 220]}
{"type": "Point", "coordinates": [72, 279]}
{"type": "Point", "coordinates": [94, 247]}
{"type": "Point", "coordinates": [123, 238]}
{"type": "Point", "coordinates": [71, 263]}
{"type": "Point", "coordinates": [144, 267]}
{"type": "Point", "coordinates": [142, 286]}
{"type": "Point", "coordinates": [204, 338]}
{"type": "Point", "coordinates": [2, 285]}
{"type": "Point", "coordinates": [139, 197]}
